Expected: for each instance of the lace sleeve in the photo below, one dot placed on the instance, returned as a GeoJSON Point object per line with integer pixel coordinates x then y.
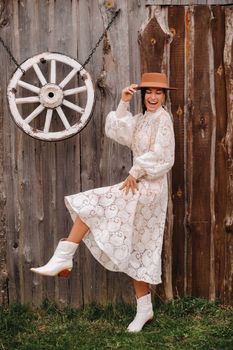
{"type": "Point", "coordinates": [159, 161]}
{"type": "Point", "coordinates": [120, 124]}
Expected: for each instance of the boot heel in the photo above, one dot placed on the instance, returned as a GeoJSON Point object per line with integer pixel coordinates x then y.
{"type": "Point", "coordinates": [64, 273]}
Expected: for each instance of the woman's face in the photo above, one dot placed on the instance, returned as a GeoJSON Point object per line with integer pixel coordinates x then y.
{"type": "Point", "coordinates": [154, 98]}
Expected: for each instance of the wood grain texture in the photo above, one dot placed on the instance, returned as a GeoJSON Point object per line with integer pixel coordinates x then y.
{"type": "Point", "coordinates": [200, 218]}
{"type": "Point", "coordinates": [3, 225]}
{"type": "Point", "coordinates": [176, 21]}
{"type": "Point", "coordinates": [228, 142]}
{"type": "Point", "coordinates": [218, 33]}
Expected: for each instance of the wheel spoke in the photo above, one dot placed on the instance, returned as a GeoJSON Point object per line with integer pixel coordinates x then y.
{"type": "Point", "coordinates": [75, 90]}
{"type": "Point", "coordinates": [29, 86]}
{"type": "Point", "coordinates": [48, 119]}
{"type": "Point", "coordinates": [65, 81]}
{"type": "Point", "coordinates": [73, 106]}
{"type": "Point", "coordinates": [34, 114]}
{"type": "Point", "coordinates": [53, 72]}
{"type": "Point", "coordinates": [39, 74]}
{"type": "Point", "coordinates": [63, 117]}
{"type": "Point", "coordinates": [30, 99]}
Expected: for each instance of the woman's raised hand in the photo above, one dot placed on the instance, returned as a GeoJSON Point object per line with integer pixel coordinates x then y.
{"type": "Point", "coordinates": [127, 93]}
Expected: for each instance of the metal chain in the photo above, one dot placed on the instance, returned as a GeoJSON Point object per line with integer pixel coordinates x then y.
{"type": "Point", "coordinates": [87, 60]}
{"type": "Point", "coordinates": [99, 41]}
{"type": "Point", "coordinates": [11, 55]}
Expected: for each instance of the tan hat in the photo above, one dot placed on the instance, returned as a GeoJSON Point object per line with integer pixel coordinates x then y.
{"type": "Point", "coordinates": [157, 80]}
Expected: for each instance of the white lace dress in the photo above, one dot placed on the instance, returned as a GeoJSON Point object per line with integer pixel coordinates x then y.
{"type": "Point", "coordinates": [126, 231]}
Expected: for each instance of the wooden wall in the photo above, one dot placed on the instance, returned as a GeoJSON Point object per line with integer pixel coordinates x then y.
{"type": "Point", "coordinates": [193, 45]}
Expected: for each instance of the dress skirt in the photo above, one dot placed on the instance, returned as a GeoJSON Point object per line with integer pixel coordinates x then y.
{"type": "Point", "coordinates": [125, 231]}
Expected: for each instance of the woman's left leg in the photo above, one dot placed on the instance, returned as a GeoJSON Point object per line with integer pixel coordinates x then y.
{"type": "Point", "coordinates": [144, 306]}
{"type": "Point", "coordinates": [78, 231]}
{"type": "Point", "coordinates": [141, 288]}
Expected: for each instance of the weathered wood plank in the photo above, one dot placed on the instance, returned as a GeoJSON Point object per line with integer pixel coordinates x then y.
{"type": "Point", "coordinates": [212, 285]}
{"type": "Point", "coordinates": [176, 22]}
{"type": "Point", "coordinates": [67, 167]}
{"type": "Point", "coordinates": [73, 179]}
{"type": "Point", "coordinates": [228, 142]}
{"type": "Point", "coordinates": [202, 130]}
{"type": "Point", "coordinates": [11, 173]}
{"type": "Point", "coordinates": [3, 265]}
{"type": "Point", "coordinates": [115, 160]}
{"type": "Point", "coordinates": [188, 144]}
{"type": "Point", "coordinates": [29, 168]}
{"type": "Point", "coordinates": [218, 33]}
{"type": "Point", "coordinates": [4, 18]}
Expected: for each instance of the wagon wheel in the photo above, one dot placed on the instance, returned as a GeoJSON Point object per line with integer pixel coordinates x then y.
{"type": "Point", "coordinates": [50, 97]}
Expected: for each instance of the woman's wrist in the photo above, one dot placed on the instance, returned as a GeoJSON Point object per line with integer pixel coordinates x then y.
{"type": "Point", "coordinates": [136, 171]}
{"type": "Point", "coordinates": [122, 109]}
{"type": "Point", "coordinates": [124, 99]}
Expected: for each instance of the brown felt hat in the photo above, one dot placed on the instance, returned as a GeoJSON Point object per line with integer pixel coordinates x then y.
{"type": "Point", "coordinates": [157, 80]}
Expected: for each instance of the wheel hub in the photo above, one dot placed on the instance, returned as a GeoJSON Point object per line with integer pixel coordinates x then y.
{"type": "Point", "coordinates": [51, 96]}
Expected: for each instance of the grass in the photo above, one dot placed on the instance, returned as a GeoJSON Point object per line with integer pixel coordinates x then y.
{"type": "Point", "coordinates": [188, 323]}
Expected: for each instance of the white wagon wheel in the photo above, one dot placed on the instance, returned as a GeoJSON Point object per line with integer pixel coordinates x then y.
{"type": "Point", "coordinates": [50, 95]}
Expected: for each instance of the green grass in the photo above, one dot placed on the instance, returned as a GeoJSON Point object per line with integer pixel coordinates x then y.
{"type": "Point", "coordinates": [188, 323]}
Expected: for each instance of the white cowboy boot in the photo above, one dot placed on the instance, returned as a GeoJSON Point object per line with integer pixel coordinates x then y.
{"type": "Point", "coordinates": [144, 313]}
{"type": "Point", "coordinates": [61, 262]}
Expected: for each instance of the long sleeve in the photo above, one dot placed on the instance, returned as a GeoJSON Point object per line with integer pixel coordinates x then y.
{"type": "Point", "coordinates": [160, 159]}
{"type": "Point", "coordinates": [120, 124]}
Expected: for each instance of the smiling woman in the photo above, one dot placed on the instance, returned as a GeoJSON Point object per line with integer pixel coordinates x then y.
{"type": "Point", "coordinates": [123, 225]}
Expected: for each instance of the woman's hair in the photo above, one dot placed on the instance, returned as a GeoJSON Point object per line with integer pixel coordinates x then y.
{"type": "Point", "coordinates": [143, 93]}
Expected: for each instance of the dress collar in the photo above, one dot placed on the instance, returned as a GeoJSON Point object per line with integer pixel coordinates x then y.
{"type": "Point", "coordinates": [153, 114]}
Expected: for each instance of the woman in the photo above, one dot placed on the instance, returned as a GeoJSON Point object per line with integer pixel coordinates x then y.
{"type": "Point", "coordinates": [123, 225]}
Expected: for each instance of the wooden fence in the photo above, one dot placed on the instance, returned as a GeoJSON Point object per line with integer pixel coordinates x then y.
{"type": "Point", "coordinates": [193, 45]}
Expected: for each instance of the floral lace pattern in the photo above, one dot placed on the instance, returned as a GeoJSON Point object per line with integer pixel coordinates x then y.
{"type": "Point", "coordinates": [126, 231]}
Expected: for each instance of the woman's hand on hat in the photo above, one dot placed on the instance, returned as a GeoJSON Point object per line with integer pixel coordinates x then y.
{"type": "Point", "coordinates": [130, 184]}
{"type": "Point", "coordinates": [127, 93]}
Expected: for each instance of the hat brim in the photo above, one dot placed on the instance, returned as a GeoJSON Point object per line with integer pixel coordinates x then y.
{"type": "Point", "coordinates": [144, 85]}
